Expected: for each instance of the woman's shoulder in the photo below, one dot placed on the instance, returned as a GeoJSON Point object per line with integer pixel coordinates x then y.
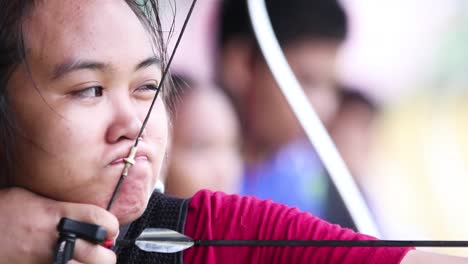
{"type": "Point", "coordinates": [246, 215]}
{"type": "Point", "coordinates": [232, 206]}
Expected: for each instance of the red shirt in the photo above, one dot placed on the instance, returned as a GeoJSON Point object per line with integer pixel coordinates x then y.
{"type": "Point", "coordinates": [221, 216]}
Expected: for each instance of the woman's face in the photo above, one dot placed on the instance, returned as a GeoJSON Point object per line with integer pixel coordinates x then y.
{"type": "Point", "coordinates": [92, 74]}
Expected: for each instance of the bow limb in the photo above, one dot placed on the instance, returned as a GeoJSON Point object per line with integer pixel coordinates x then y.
{"type": "Point", "coordinates": [308, 119]}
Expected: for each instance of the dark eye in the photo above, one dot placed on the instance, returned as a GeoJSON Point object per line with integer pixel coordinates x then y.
{"type": "Point", "coordinates": [95, 91]}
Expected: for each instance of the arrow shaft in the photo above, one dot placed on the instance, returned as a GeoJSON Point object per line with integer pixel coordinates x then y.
{"type": "Point", "coordinates": [311, 243]}
{"type": "Point", "coordinates": [332, 243]}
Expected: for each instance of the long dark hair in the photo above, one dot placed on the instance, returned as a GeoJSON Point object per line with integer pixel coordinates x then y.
{"type": "Point", "coordinates": [12, 54]}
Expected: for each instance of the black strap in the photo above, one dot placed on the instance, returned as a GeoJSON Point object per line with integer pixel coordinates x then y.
{"type": "Point", "coordinates": [162, 212]}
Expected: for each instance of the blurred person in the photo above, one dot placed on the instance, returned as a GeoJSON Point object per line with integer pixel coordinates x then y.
{"type": "Point", "coordinates": [280, 163]}
{"type": "Point", "coordinates": [352, 129]}
{"type": "Point", "coordinates": [310, 33]}
{"type": "Point", "coordinates": [205, 143]}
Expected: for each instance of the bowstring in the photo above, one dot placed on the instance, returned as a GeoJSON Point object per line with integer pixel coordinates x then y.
{"type": "Point", "coordinates": [129, 161]}
{"type": "Point", "coordinates": [165, 72]}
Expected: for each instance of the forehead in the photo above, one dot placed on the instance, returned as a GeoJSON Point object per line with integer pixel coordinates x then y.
{"type": "Point", "coordinates": [105, 30]}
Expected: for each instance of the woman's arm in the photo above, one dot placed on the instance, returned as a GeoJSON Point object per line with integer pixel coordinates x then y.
{"type": "Point", "coordinates": [220, 216]}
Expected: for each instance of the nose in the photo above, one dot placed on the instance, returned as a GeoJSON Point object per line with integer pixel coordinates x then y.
{"type": "Point", "coordinates": [126, 122]}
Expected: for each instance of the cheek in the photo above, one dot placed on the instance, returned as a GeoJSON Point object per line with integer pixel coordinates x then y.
{"type": "Point", "coordinates": [269, 101]}
{"type": "Point", "coordinates": [156, 134]}
{"type": "Point", "coordinates": [55, 126]}
{"type": "Point", "coordinates": [157, 130]}
{"type": "Point", "coordinates": [55, 151]}
{"type": "Point", "coordinates": [50, 137]}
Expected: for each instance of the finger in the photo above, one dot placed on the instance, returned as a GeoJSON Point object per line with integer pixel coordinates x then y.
{"type": "Point", "coordinates": [91, 253]}
{"type": "Point", "coordinates": [92, 214]}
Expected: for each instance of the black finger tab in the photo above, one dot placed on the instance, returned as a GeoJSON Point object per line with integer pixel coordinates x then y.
{"type": "Point", "coordinates": [89, 232]}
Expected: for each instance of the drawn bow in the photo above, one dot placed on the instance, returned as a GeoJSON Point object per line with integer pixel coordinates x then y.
{"type": "Point", "coordinates": [169, 241]}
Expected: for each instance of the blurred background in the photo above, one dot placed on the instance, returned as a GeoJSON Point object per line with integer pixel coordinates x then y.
{"type": "Point", "coordinates": [389, 81]}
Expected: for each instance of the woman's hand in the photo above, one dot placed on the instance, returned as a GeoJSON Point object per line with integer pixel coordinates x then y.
{"type": "Point", "coordinates": [28, 228]}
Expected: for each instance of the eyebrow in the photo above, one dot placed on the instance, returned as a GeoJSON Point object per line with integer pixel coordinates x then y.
{"type": "Point", "coordinates": [148, 62]}
{"type": "Point", "coordinates": [76, 65]}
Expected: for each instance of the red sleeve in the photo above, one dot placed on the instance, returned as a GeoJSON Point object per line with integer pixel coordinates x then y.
{"type": "Point", "coordinates": [220, 216]}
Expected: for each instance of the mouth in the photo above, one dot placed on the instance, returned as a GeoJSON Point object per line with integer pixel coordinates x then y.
{"type": "Point", "coordinates": [118, 156]}
{"type": "Point", "coordinates": [138, 157]}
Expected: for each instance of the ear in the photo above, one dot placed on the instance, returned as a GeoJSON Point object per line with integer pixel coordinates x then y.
{"type": "Point", "coordinates": [237, 62]}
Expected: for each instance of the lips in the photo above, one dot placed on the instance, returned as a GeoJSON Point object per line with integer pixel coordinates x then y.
{"type": "Point", "coordinates": [137, 158]}
{"type": "Point", "coordinates": [118, 158]}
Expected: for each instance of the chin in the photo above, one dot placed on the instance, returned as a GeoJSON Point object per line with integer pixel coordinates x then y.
{"type": "Point", "coordinates": [134, 195]}
{"type": "Point", "coordinates": [130, 206]}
